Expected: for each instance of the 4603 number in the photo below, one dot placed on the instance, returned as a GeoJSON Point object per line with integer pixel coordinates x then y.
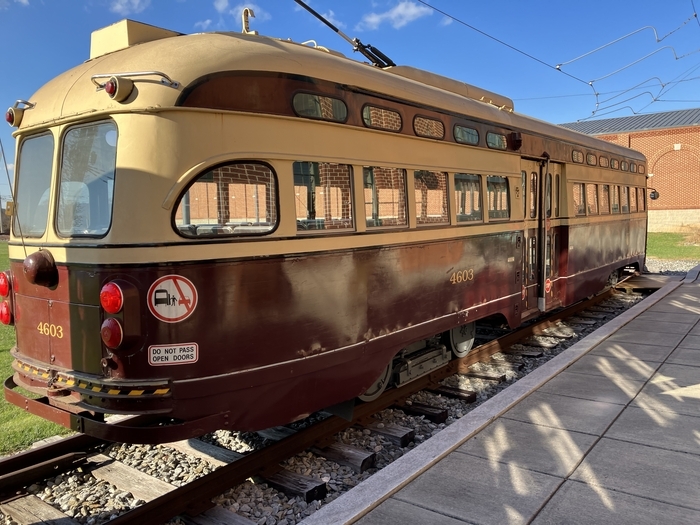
{"type": "Point", "coordinates": [52, 330]}
{"type": "Point", "coordinates": [463, 276]}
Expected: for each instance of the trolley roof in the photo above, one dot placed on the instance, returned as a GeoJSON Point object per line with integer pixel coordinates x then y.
{"type": "Point", "coordinates": [129, 47]}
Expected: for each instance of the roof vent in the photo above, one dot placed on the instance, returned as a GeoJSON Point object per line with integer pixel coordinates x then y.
{"type": "Point", "coordinates": [124, 34]}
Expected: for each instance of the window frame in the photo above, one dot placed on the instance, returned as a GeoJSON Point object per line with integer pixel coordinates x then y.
{"type": "Point", "coordinates": [496, 146]}
{"type": "Point", "coordinates": [445, 217]}
{"type": "Point", "coordinates": [428, 119]}
{"type": "Point", "coordinates": [321, 118]}
{"type": "Point", "coordinates": [325, 231]}
{"type": "Point", "coordinates": [473, 177]}
{"type": "Point", "coordinates": [381, 108]}
{"type": "Point", "coordinates": [488, 199]}
{"type": "Point", "coordinates": [241, 236]}
{"type": "Point", "coordinates": [476, 132]}
{"type": "Point", "coordinates": [59, 181]}
{"type": "Point", "coordinates": [19, 227]}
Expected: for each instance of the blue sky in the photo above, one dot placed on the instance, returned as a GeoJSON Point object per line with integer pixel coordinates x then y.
{"type": "Point", "coordinates": [656, 68]}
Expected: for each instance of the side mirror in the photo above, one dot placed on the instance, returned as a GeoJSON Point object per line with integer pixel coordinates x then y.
{"type": "Point", "coordinates": [653, 195]}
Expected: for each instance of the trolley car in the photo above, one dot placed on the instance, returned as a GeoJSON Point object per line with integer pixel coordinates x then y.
{"type": "Point", "coordinates": [226, 230]}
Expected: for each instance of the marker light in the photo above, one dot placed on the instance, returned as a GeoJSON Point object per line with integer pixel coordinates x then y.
{"type": "Point", "coordinates": [111, 87]}
{"type": "Point", "coordinates": [13, 116]}
{"type": "Point", "coordinates": [5, 285]}
{"type": "Point", "coordinates": [111, 297]}
{"type": "Point", "coordinates": [111, 332]}
{"type": "Point", "coordinates": [118, 88]}
{"type": "Point", "coordinates": [5, 313]}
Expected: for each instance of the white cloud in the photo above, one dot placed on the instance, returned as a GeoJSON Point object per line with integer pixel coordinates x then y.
{"type": "Point", "coordinates": [330, 16]}
{"type": "Point", "coordinates": [446, 21]}
{"type": "Point", "coordinates": [400, 15]}
{"type": "Point", "coordinates": [11, 169]}
{"type": "Point", "coordinates": [5, 4]}
{"type": "Point", "coordinates": [221, 5]}
{"type": "Point", "coordinates": [204, 25]}
{"type": "Point", "coordinates": [126, 7]}
{"type": "Point", "coordinates": [260, 14]}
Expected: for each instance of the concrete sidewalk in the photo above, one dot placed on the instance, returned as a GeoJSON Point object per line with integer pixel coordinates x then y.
{"type": "Point", "coordinates": [606, 432]}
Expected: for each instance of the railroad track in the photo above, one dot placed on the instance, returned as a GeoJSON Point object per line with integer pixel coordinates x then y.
{"type": "Point", "coordinates": [141, 497]}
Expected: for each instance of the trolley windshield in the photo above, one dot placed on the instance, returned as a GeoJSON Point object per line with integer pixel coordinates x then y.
{"type": "Point", "coordinates": [86, 191]}
{"type": "Point", "coordinates": [33, 183]}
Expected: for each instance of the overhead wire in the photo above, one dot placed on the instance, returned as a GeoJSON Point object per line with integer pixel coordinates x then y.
{"type": "Point", "coordinates": [590, 83]}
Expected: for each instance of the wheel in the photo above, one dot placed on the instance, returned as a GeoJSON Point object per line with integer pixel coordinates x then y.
{"type": "Point", "coordinates": [462, 339]}
{"type": "Point", "coordinates": [378, 387]}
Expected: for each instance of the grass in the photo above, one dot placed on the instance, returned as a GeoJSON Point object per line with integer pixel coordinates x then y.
{"type": "Point", "coordinates": [674, 246]}
{"type": "Point", "coordinates": [18, 428]}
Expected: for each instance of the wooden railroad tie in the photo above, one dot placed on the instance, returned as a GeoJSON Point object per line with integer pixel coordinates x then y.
{"type": "Point", "coordinates": [356, 458]}
{"type": "Point", "coordinates": [434, 414]}
{"type": "Point", "coordinates": [30, 509]}
{"type": "Point", "coordinates": [455, 393]}
{"type": "Point", "coordinates": [396, 434]}
{"type": "Point", "coordinates": [524, 353]}
{"type": "Point", "coordinates": [217, 516]}
{"type": "Point", "coordinates": [487, 376]}
{"type": "Point", "coordinates": [295, 484]}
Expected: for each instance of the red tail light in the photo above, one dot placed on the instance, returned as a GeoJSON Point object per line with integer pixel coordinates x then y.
{"type": "Point", "coordinates": [111, 87]}
{"type": "Point", "coordinates": [111, 298]}
{"type": "Point", "coordinates": [5, 284]}
{"type": "Point", "coordinates": [111, 332]}
{"type": "Point", "coordinates": [5, 313]}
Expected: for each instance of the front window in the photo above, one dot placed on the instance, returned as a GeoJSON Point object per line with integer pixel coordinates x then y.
{"type": "Point", "coordinates": [33, 183]}
{"type": "Point", "coordinates": [86, 192]}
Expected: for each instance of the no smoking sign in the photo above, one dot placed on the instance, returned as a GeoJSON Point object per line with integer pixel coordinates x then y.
{"type": "Point", "coordinates": [172, 298]}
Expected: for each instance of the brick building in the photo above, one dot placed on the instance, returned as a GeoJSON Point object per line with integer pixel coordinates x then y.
{"type": "Point", "coordinates": [671, 143]}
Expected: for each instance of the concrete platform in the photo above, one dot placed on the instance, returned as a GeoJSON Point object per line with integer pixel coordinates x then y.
{"type": "Point", "coordinates": [606, 432]}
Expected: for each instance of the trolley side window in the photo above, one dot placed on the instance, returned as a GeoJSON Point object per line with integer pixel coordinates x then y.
{"type": "Point", "coordinates": [465, 135]}
{"type": "Point", "coordinates": [641, 196]}
{"type": "Point", "coordinates": [605, 199]}
{"type": "Point", "coordinates": [579, 199]}
{"type": "Point", "coordinates": [633, 199]}
{"type": "Point", "coordinates": [86, 192]}
{"type": "Point", "coordinates": [624, 199]}
{"type": "Point", "coordinates": [323, 196]}
{"type": "Point", "coordinates": [428, 127]}
{"type": "Point", "coordinates": [33, 186]}
{"type": "Point", "coordinates": [385, 196]}
{"type": "Point", "coordinates": [615, 199]}
{"type": "Point", "coordinates": [496, 141]}
{"type": "Point", "coordinates": [380, 118]}
{"type": "Point", "coordinates": [533, 195]}
{"type": "Point", "coordinates": [233, 199]}
{"type": "Point", "coordinates": [497, 191]}
{"type": "Point", "coordinates": [592, 198]}
{"type": "Point", "coordinates": [320, 107]}
{"type": "Point", "coordinates": [431, 197]}
{"type": "Point", "coordinates": [468, 197]}
{"type": "Point", "coordinates": [523, 191]}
